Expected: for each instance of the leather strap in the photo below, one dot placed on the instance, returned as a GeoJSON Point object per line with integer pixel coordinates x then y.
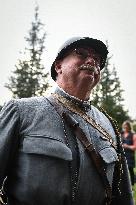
{"type": "Point", "coordinates": [88, 146]}
{"type": "Point", "coordinates": [75, 109]}
{"type": "Point", "coordinates": [96, 158]}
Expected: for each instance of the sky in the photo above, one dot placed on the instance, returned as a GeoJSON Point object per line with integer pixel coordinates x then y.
{"type": "Point", "coordinates": [114, 21]}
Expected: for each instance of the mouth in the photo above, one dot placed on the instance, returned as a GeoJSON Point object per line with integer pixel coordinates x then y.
{"type": "Point", "coordinates": [88, 67]}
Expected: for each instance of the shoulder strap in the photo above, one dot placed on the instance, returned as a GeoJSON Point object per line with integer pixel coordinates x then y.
{"type": "Point", "coordinates": [75, 109]}
{"type": "Point", "coordinates": [88, 146]}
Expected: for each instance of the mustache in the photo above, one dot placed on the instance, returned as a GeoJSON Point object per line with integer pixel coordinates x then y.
{"type": "Point", "coordinates": [89, 67]}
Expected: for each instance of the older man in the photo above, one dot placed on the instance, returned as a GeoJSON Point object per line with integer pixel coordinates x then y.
{"type": "Point", "coordinates": [61, 150]}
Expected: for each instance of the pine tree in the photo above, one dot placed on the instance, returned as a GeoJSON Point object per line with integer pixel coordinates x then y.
{"type": "Point", "coordinates": [29, 77]}
{"type": "Point", "coordinates": [0, 107]}
{"type": "Point", "coordinates": [108, 94]}
{"type": "Point", "coordinates": [134, 126]}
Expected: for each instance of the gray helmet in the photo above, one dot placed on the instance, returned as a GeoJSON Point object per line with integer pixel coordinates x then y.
{"type": "Point", "coordinates": [76, 42]}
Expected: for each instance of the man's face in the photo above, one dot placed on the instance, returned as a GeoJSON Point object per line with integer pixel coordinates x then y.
{"type": "Point", "coordinates": [80, 65]}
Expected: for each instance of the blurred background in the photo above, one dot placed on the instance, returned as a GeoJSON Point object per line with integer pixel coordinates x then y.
{"type": "Point", "coordinates": [32, 32]}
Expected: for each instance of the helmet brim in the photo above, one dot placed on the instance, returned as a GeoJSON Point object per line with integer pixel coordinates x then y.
{"type": "Point", "coordinates": [76, 42]}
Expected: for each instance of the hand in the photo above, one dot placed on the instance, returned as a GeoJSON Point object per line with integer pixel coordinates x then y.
{"type": "Point", "coordinates": [125, 146]}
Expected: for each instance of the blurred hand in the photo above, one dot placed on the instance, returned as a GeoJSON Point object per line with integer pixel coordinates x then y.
{"type": "Point", "coordinates": [125, 146]}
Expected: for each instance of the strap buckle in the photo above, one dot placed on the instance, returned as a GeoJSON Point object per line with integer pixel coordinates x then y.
{"type": "Point", "coordinates": [89, 147]}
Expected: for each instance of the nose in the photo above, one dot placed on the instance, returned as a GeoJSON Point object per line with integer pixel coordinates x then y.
{"type": "Point", "coordinates": [90, 61]}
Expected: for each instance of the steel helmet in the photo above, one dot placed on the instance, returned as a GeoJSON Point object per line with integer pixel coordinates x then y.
{"type": "Point", "coordinates": [76, 42]}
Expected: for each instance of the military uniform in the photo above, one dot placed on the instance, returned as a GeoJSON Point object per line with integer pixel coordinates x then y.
{"type": "Point", "coordinates": [41, 159]}
{"type": "Point", "coordinates": [38, 157]}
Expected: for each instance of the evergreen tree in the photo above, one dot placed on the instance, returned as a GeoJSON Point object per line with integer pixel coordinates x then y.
{"type": "Point", "coordinates": [29, 78]}
{"type": "Point", "coordinates": [134, 127]}
{"type": "Point", "coordinates": [108, 94]}
{"type": "Point", "coordinates": [0, 107]}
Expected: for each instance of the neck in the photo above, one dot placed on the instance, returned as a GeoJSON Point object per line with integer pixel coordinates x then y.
{"type": "Point", "coordinates": [81, 92]}
{"type": "Point", "coordinates": [126, 132]}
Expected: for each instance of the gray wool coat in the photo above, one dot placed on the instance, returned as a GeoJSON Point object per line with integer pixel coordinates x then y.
{"type": "Point", "coordinates": [37, 156]}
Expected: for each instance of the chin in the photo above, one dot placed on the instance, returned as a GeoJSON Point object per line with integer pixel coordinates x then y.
{"type": "Point", "coordinates": [88, 82]}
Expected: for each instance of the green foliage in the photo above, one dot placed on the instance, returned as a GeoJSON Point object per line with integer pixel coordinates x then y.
{"type": "Point", "coordinates": [108, 94]}
{"type": "Point", "coordinates": [134, 127]}
{"type": "Point", "coordinates": [29, 77]}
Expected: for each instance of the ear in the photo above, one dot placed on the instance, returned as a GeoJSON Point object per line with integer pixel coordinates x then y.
{"type": "Point", "coordinates": [58, 66]}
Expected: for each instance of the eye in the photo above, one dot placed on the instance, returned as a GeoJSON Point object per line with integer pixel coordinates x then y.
{"type": "Point", "coordinates": [97, 60]}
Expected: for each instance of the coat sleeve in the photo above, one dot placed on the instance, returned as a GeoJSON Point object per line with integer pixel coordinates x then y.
{"type": "Point", "coordinates": [9, 122]}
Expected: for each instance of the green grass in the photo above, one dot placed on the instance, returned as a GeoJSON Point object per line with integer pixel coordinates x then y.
{"type": "Point", "coordinates": [134, 193]}
{"type": "Point", "coordinates": [134, 188]}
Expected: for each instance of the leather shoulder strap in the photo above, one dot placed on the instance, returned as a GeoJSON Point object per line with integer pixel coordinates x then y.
{"type": "Point", "coordinates": [75, 109]}
{"type": "Point", "coordinates": [88, 146]}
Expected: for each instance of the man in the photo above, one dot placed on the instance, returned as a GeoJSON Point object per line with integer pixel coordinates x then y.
{"type": "Point", "coordinates": [61, 150]}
